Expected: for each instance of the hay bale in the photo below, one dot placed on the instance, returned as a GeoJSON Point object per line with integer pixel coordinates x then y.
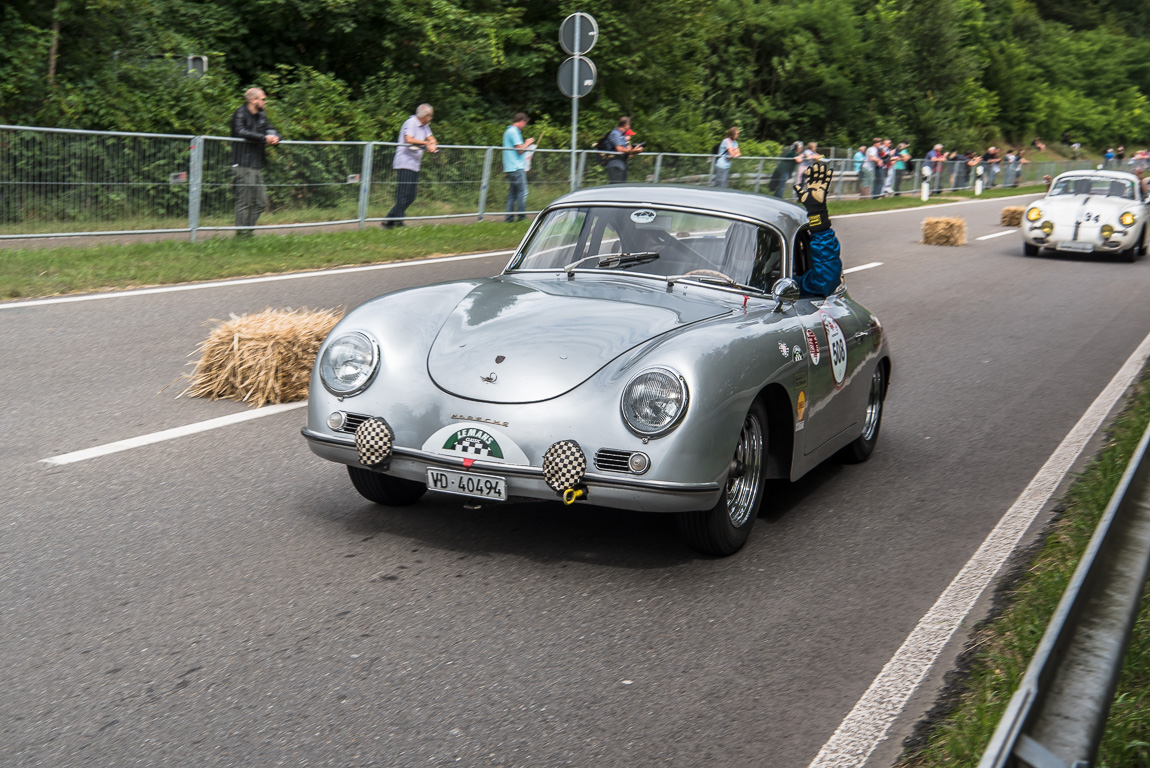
{"type": "Point", "coordinates": [1012, 216]}
{"type": "Point", "coordinates": [262, 358]}
{"type": "Point", "coordinates": [951, 231]}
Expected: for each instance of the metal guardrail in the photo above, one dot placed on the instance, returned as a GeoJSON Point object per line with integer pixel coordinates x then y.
{"type": "Point", "coordinates": [1057, 716]}
{"type": "Point", "coordinates": [57, 182]}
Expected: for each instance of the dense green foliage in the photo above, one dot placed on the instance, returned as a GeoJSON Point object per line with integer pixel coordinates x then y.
{"type": "Point", "coordinates": [964, 72]}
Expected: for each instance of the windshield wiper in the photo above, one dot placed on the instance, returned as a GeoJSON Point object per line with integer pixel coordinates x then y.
{"type": "Point", "coordinates": [613, 260]}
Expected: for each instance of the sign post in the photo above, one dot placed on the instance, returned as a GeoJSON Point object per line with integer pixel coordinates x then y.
{"type": "Point", "coordinates": [577, 36]}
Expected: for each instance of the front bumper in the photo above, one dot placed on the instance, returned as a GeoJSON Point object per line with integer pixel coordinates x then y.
{"type": "Point", "coordinates": [603, 489]}
{"type": "Point", "coordinates": [1087, 240]}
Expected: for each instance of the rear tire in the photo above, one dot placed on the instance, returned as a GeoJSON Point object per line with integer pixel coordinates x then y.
{"type": "Point", "coordinates": [385, 489]}
{"type": "Point", "coordinates": [1030, 250]}
{"type": "Point", "coordinates": [723, 529]}
{"type": "Point", "coordinates": [862, 447]}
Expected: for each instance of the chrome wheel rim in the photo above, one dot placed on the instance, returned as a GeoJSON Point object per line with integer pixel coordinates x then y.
{"type": "Point", "coordinates": [743, 487]}
{"type": "Point", "coordinates": [873, 406]}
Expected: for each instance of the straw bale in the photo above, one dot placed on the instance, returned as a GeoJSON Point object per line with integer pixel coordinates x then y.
{"type": "Point", "coordinates": [262, 358]}
{"type": "Point", "coordinates": [948, 231]}
{"type": "Point", "coordinates": [1012, 216]}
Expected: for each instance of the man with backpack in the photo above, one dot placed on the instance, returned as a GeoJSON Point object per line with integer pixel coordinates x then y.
{"type": "Point", "coordinates": [619, 140]}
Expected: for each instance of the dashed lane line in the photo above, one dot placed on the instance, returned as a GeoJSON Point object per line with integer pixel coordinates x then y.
{"type": "Point", "coordinates": [170, 434]}
{"type": "Point", "coordinates": [866, 726]}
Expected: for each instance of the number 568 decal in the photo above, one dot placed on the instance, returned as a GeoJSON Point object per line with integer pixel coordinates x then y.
{"type": "Point", "coordinates": [837, 344]}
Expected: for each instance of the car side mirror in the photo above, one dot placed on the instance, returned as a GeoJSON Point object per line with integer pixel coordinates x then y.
{"type": "Point", "coordinates": [785, 291]}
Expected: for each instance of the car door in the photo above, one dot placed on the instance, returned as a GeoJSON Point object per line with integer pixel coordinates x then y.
{"type": "Point", "coordinates": [836, 338]}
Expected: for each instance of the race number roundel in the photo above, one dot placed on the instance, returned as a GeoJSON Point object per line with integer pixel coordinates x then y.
{"type": "Point", "coordinates": [837, 343]}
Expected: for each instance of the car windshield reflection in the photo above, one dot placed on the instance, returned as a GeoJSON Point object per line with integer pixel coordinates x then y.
{"type": "Point", "coordinates": [650, 241]}
{"type": "Point", "coordinates": [1103, 186]}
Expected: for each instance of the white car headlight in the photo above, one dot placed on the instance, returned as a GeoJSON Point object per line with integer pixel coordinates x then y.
{"type": "Point", "coordinates": [654, 401]}
{"type": "Point", "coordinates": [349, 363]}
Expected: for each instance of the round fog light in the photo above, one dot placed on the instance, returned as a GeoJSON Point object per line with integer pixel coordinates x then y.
{"type": "Point", "coordinates": [638, 463]}
{"type": "Point", "coordinates": [337, 420]}
{"type": "Point", "coordinates": [1107, 231]}
{"type": "Point", "coordinates": [1047, 227]}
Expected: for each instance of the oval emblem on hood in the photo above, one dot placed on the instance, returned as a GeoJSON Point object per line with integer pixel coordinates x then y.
{"type": "Point", "coordinates": [643, 216]}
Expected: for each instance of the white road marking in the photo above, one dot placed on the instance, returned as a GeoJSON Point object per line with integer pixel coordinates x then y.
{"type": "Point", "coordinates": [997, 234]}
{"type": "Point", "coordinates": [861, 267]}
{"type": "Point", "coordinates": [867, 724]}
{"type": "Point", "coordinates": [248, 280]}
{"type": "Point", "coordinates": [171, 434]}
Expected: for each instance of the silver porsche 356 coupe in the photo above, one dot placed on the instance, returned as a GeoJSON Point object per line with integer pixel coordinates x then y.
{"type": "Point", "coordinates": [646, 348]}
{"type": "Point", "coordinates": [1089, 212]}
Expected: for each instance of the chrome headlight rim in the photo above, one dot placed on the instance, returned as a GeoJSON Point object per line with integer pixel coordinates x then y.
{"type": "Point", "coordinates": [627, 399]}
{"type": "Point", "coordinates": [363, 382]}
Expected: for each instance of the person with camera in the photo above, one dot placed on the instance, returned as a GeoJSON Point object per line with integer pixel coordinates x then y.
{"type": "Point", "coordinates": [250, 123]}
{"type": "Point", "coordinates": [619, 139]}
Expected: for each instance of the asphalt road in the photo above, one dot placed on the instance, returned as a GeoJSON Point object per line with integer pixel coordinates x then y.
{"type": "Point", "coordinates": [227, 599]}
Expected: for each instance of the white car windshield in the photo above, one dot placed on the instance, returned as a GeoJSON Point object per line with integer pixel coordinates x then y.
{"type": "Point", "coordinates": [1092, 185]}
{"type": "Point", "coordinates": [655, 242]}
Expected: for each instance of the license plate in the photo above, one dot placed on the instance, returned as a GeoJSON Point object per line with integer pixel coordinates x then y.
{"type": "Point", "coordinates": [467, 484]}
{"type": "Point", "coordinates": [1072, 245]}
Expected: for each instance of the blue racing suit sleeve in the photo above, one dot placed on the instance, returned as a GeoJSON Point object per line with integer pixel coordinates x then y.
{"type": "Point", "coordinates": [826, 272]}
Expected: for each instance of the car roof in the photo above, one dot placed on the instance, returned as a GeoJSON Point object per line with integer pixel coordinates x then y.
{"type": "Point", "coordinates": [770, 210]}
{"type": "Point", "coordinates": [1093, 173]}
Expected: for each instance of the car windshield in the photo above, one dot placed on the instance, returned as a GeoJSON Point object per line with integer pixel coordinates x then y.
{"type": "Point", "coordinates": [655, 242]}
{"type": "Point", "coordinates": [1093, 185]}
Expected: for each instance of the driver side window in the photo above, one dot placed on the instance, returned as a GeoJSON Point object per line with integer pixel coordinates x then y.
{"type": "Point", "coordinates": [768, 260]}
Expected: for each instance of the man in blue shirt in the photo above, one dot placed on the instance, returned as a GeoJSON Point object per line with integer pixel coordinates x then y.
{"type": "Point", "coordinates": [515, 166]}
{"type": "Point", "coordinates": [620, 141]}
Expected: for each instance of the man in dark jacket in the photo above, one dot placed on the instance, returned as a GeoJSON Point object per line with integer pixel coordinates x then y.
{"type": "Point", "coordinates": [250, 124]}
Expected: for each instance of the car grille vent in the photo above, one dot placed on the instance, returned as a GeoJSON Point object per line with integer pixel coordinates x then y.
{"type": "Point", "coordinates": [611, 460]}
{"type": "Point", "coordinates": [351, 422]}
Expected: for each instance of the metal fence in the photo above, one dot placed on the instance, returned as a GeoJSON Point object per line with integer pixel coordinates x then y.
{"type": "Point", "coordinates": [60, 182]}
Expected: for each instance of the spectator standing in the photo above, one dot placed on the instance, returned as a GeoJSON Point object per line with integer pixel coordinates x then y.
{"type": "Point", "coordinates": [1119, 156]}
{"type": "Point", "coordinates": [728, 149]}
{"type": "Point", "coordinates": [936, 159]}
{"type": "Point", "coordinates": [860, 181]}
{"type": "Point", "coordinates": [515, 166]}
{"type": "Point", "coordinates": [1108, 158]}
{"type": "Point", "coordinates": [1009, 167]}
{"type": "Point", "coordinates": [250, 123]}
{"type": "Point", "coordinates": [620, 140]}
{"type": "Point", "coordinates": [870, 167]}
{"type": "Point", "coordinates": [808, 157]}
{"type": "Point", "coordinates": [415, 138]}
{"type": "Point", "coordinates": [783, 168]}
{"type": "Point", "coordinates": [889, 159]}
{"type": "Point", "coordinates": [992, 162]}
{"type": "Point", "coordinates": [882, 163]}
{"type": "Point", "coordinates": [902, 164]}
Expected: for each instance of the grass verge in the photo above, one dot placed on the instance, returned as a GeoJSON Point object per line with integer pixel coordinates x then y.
{"type": "Point", "coordinates": [990, 671]}
{"type": "Point", "coordinates": [37, 272]}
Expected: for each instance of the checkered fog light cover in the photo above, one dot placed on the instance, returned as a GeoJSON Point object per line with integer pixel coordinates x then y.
{"type": "Point", "coordinates": [564, 465]}
{"type": "Point", "coordinates": [373, 442]}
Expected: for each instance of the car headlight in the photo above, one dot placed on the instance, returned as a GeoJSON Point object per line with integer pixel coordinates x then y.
{"type": "Point", "coordinates": [1127, 219]}
{"type": "Point", "coordinates": [1107, 231]}
{"type": "Point", "coordinates": [349, 363]}
{"type": "Point", "coordinates": [1047, 227]}
{"type": "Point", "coordinates": [1033, 214]}
{"type": "Point", "coordinates": [654, 401]}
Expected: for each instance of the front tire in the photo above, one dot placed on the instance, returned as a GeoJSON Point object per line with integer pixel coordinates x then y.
{"type": "Point", "coordinates": [723, 529]}
{"type": "Point", "coordinates": [1029, 249]}
{"type": "Point", "coordinates": [385, 489]}
{"type": "Point", "coordinates": [860, 449]}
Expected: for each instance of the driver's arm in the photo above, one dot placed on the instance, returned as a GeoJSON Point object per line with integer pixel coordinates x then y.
{"type": "Point", "coordinates": [826, 272]}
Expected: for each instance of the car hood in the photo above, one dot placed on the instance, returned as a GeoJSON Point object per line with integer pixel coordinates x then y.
{"type": "Point", "coordinates": [1068, 207]}
{"type": "Point", "coordinates": [516, 340]}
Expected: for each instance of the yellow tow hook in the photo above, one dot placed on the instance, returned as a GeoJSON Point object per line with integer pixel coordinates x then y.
{"type": "Point", "coordinates": [571, 494]}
